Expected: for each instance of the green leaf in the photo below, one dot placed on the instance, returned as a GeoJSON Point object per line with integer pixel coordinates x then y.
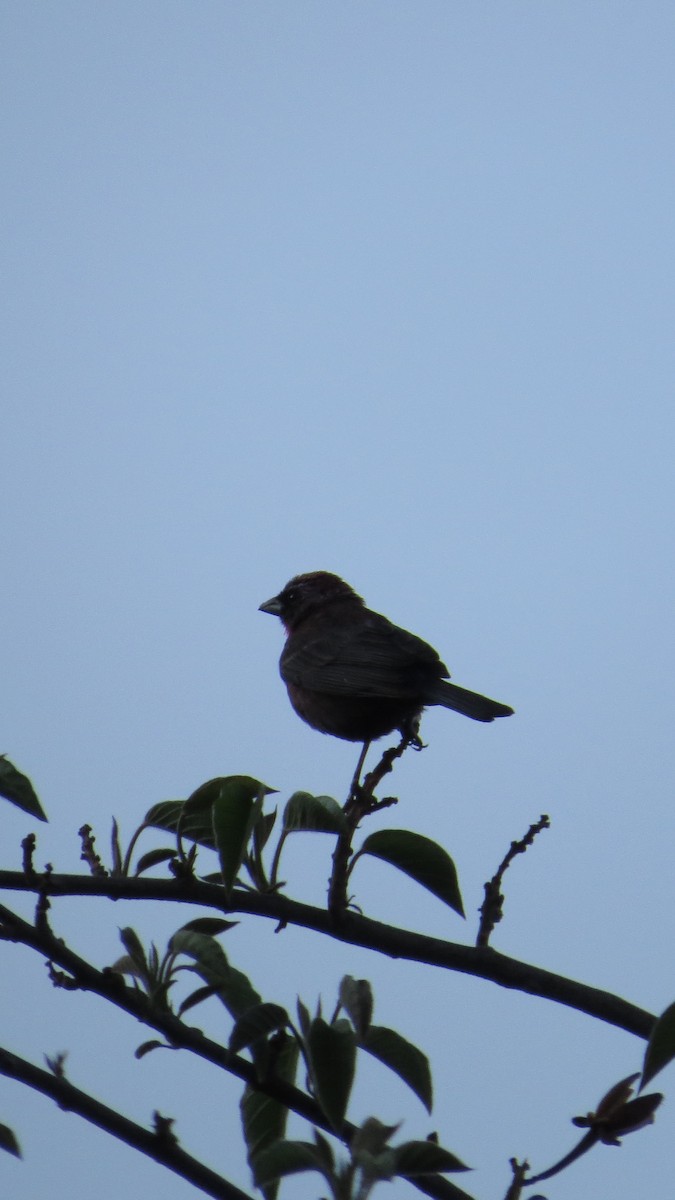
{"type": "Point", "coordinates": [236, 809]}
{"type": "Point", "coordinates": [208, 954]}
{"type": "Point", "coordinates": [126, 966]}
{"type": "Point", "coordinates": [425, 1158]}
{"type": "Point", "coordinates": [660, 1047]}
{"type": "Point", "coordinates": [210, 925]}
{"type": "Point", "coordinates": [256, 1023]}
{"type": "Point", "coordinates": [264, 1119]}
{"type": "Point", "coordinates": [423, 860]}
{"type": "Point", "coordinates": [263, 829]}
{"type": "Point", "coordinates": [205, 796]}
{"type": "Point", "coordinates": [134, 948]}
{"type": "Point", "coordinates": [326, 1152]}
{"type": "Point", "coordinates": [372, 1138]}
{"type": "Point", "coordinates": [195, 827]}
{"type": "Point", "coordinates": [18, 789]}
{"type": "Point", "coordinates": [313, 814]}
{"type": "Point", "coordinates": [193, 817]}
{"type": "Point", "coordinates": [8, 1141]}
{"type": "Point", "coordinates": [197, 997]}
{"type": "Point", "coordinates": [356, 997]}
{"type": "Point", "coordinates": [115, 848]}
{"type": "Point", "coordinates": [285, 1158]}
{"type": "Point", "coordinates": [153, 858]}
{"type": "Point", "coordinates": [304, 1018]}
{"type": "Point", "coordinates": [146, 1047]}
{"type": "Point", "coordinates": [406, 1060]}
{"type": "Point", "coordinates": [234, 988]}
{"type": "Point", "coordinates": [331, 1052]}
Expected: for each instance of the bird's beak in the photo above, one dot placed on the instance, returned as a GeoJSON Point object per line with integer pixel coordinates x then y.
{"type": "Point", "coordinates": [271, 606]}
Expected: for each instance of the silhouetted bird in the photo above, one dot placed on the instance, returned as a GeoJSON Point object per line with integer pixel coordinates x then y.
{"type": "Point", "coordinates": [351, 673]}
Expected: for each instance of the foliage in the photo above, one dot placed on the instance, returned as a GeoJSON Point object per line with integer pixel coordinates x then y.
{"type": "Point", "coordinates": [269, 1049]}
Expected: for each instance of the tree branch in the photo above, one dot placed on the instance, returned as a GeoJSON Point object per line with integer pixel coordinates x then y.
{"type": "Point", "coordinates": [111, 986]}
{"type": "Point", "coordinates": [354, 929]}
{"type": "Point", "coordinates": [163, 1149]}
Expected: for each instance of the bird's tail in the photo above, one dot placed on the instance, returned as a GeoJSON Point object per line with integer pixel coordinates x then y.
{"type": "Point", "coordinates": [471, 704]}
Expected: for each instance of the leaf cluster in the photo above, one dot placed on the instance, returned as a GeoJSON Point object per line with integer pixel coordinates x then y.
{"type": "Point", "coordinates": [227, 816]}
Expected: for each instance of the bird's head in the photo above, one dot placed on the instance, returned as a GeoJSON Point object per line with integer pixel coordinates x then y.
{"type": "Point", "coordinates": [305, 595]}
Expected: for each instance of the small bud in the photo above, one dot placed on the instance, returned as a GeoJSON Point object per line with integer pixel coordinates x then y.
{"type": "Point", "coordinates": [617, 1115]}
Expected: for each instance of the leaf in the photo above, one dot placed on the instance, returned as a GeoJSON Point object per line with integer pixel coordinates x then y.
{"type": "Point", "coordinates": [256, 1023]}
{"type": "Point", "coordinates": [234, 988]}
{"type": "Point", "coordinates": [661, 1046]}
{"type": "Point", "coordinates": [192, 818]}
{"type": "Point", "coordinates": [304, 1018]}
{"type": "Point", "coordinates": [372, 1138]}
{"type": "Point", "coordinates": [263, 829]}
{"type": "Point", "coordinates": [356, 997]}
{"type": "Point", "coordinates": [634, 1115]}
{"type": "Point", "coordinates": [425, 1158]}
{"type": "Point", "coordinates": [18, 789]}
{"type": "Point", "coordinates": [207, 793]}
{"type": "Point", "coordinates": [210, 959]}
{"type": "Point", "coordinates": [146, 1047]}
{"type": "Point", "coordinates": [313, 814]}
{"type": "Point", "coordinates": [195, 827]}
{"type": "Point", "coordinates": [264, 1119]}
{"type": "Point", "coordinates": [331, 1052]}
{"type": "Point", "coordinates": [200, 994]}
{"type": "Point", "coordinates": [285, 1158]}
{"type": "Point", "coordinates": [8, 1141]}
{"type": "Point", "coordinates": [617, 1096]}
{"type": "Point", "coordinates": [406, 1060]}
{"type": "Point", "coordinates": [326, 1151]}
{"type": "Point", "coordinates": [154, 857]}
{"type": "Point", "coordinates": [115, 849]}
{"type": "Point", "coordinates": [211, 925]}
{"type": "Point", "coordinates": [236, 806]}
{"type": "Point", "coordinates": [423, 860]}
{"type": "Point", "coordinates": [134, 948]}
{"type": "Point", "coordinates": [208, 954]}
{"type": "Point", "coordinates": [126, 966]}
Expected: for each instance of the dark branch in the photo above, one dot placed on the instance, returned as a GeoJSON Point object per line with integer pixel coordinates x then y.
{"type": "Point", "coordinates": [111, 986]}
{"type": "Point", "coordinates": [163, 1150]}
{"type": "Point", "coordinates": [353, 929]}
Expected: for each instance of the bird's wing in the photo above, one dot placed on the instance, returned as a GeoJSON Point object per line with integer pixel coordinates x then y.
{"type": "Point", "coordinates": [373, 658]}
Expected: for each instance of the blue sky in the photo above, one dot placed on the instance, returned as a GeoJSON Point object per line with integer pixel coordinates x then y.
{"type": "Point", "coordinates": [384, 289]}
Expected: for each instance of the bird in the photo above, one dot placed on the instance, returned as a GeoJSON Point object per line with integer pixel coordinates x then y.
{"type": "Point", "coordinates": [350, 672]}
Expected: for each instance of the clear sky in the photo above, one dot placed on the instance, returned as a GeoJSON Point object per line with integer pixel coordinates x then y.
{"type": "Point", "coordinates": [386, 289]}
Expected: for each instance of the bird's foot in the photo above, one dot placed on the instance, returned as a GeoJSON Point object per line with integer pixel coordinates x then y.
{"type": "Point", "coordinates": [415, 742]}
{"type": "Point", "coordinates": [410, 734]}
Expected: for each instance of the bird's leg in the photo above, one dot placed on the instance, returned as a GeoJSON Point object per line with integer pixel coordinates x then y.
{"type": "Point", "coordinates": [359, 767]}
{"type": "Point", "coordinates": [356, 806]}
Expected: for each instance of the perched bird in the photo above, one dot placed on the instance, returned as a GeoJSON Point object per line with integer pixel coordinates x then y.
{"type": "Point", "coordinates": [351, 673]}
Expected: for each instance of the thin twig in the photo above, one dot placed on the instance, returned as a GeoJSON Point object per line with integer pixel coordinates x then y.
{"type": "Point", "coordinates": [89, 853]}
{"type": "Point", "coordinates": [519, 1172]}
{"type": "Point", "coordinates": [360, 803]}
{"type": "Point", "coordinates": [28, 847]}
{"type": "Point", "coordinates": [492, 908]}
